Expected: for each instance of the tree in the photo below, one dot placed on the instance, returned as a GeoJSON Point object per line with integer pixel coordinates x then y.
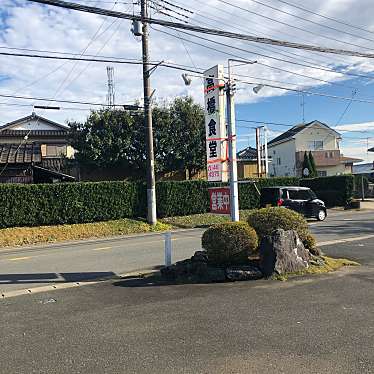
{"type": "Point", "coordinates": [116, 138]}
{"type": "Point", "coordinates": [109, 138]}
{"type": "Point", "coordinates": [180, 139]}
{"type": "Point", "coordinates": [306, 166]}
{"type": "Point", "coordinates": [313, 171]}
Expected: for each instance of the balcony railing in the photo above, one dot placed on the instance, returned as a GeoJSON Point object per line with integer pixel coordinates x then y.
{"type": "Point", "coordinates": [321, 158]}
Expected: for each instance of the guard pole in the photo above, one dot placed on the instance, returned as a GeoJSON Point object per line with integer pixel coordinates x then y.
{"type": "Point", "coordinates": [168, 248]}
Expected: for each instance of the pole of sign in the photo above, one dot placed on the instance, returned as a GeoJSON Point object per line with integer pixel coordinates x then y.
{"type": "Point", "coordinates": [266, 151]}
{"type": "Point", "coordinates": [258, 152]}
{"type": "Point", "coordinates": [362, 187]}
{"type": "Point", "coordinates": [234, 195]}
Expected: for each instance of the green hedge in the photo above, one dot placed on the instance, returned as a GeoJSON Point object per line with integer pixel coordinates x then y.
{"type": "Point", "coordinates": [182, 198]}
{"type": "Point", "coordinates": [47, 204]}
{"type": "Point", "coordinates": [334, 191]}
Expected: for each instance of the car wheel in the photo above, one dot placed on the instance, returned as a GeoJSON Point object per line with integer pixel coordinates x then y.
{"type": "Point", "coordinates": [321, 215]}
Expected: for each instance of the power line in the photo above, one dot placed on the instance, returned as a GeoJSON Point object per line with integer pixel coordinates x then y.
{"type": "Point", "coordinates": [247, 51]}
{"type": "Point", "coordinates": [222, 20]}
{"type": "Point", "coordinates": [130, 62]}
{"type": "Point", "coordinates": [313, 22]}
{"type": "Point", "coordinates": [57, 101]}
{"type": "Point", "coordinates": [271, 31]}
{"type": "Point", "coordinates": [227, 34]}
{"type": "Point", "coordinates": [291, 26]}
{"type": "Point", "coordinates": [183, 69]}
{"type": "Point", "coordinates": [325, 17]}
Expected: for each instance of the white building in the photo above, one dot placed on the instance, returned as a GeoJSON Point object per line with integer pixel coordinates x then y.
{"type": "Point", "coordinates": [287, 151]}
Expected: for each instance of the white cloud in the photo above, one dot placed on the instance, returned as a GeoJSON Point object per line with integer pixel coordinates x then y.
{"type": "Point", "coordinates": [30, 25]}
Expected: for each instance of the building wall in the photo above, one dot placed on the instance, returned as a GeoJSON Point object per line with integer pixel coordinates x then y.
{"type": "Point", "coordinates": [313, 133]}
{"type": "Point", "coordinates": [334, 170]}
{"type": "Point", "coordinates": [283, 159]}
{"type": "Point", "coordinates": [33, 124]}
{"type": "Point", "coordinates": [247, 169]}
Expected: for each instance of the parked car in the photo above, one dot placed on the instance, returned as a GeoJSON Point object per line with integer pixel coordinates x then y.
{"type": "Point", "coordinates": [300, 199]}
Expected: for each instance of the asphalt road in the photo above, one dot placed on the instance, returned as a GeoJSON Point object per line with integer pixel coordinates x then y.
{"type": "Point", "coordinates": [320, 324]}
{"type": "Point", "coordinates": [22, 268]}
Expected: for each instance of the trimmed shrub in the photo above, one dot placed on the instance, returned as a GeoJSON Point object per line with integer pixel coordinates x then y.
{"type": "Point", "coordinates": [230, 243]}
{"type": "Point", "coordinates": [182, 198]}
{"type": "Point", "coordinates": [266, 220]}
{"type": "Point", "coordinates": [334, 191]}
{"type": "Point", "coordinates": [309, 242]}
{"type": "Point", "coordinates": [48, 204]}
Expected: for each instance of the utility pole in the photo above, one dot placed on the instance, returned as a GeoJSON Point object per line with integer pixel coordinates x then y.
{"type": "Point", "coordinates": [151, 183]}
{"type": "Point", "coordinates": [111, 95]}
{"type": "Point", "coordinates": [234, 194]}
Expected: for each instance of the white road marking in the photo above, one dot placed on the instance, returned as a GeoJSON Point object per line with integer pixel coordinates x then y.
{"type": "Point", "coordinates": [19, 258]}
{"type": "Point", "coordinates": [347, 240]}
{"type": "Point", "coordinates": [101, 249]}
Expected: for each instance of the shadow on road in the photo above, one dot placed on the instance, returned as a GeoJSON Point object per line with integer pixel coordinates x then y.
{"type": "Point", "coordinates": [54, 277]}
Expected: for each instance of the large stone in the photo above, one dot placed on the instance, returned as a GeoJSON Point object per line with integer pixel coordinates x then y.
{"type": "Point", "coordinates": [283, 252]}
{"type": "Point", "coordinates": [243, 273]}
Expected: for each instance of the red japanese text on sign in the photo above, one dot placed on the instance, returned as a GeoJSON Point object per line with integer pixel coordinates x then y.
{"type": "Point", "coordinates": [219, 200]}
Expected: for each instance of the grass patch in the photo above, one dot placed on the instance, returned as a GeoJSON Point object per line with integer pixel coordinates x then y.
{"type": "Point", "coordinates": [18, 236]}
{"type": "Point", "coordinates": [201, 220]}
{"type": "Point", "coordinates": [331, 264]}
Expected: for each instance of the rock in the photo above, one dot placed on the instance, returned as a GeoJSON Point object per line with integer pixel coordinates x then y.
{"type": "Point", "coordinates": [315, 251]}
{"type": "Point", "coordinates": [283, 252]}
{"type": "Point", "coordinates": [317, 261]}
{"type": "Point", "coordinates": [242, 273]}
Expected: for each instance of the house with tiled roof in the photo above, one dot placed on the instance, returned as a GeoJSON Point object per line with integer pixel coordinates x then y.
{"type": "Point", "coordinates": [287, 151]}
{"type": "Point", "coordinates": [34, 149]}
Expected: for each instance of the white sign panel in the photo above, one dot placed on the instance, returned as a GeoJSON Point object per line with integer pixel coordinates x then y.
{"type": "Point", "coordinates": [216, 137]}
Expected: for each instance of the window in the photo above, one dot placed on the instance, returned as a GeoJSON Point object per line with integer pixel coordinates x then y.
{"type": "Point", "coordinates": [315, 145]}
{"type": "Point", "coordinates": [55, 150]}
{"type": "Point", "coordinates": [322, 173]}
{"type": "Point", "coordinates": [300, 194]}
{"type": "Point", "coordinates": [278, 161]}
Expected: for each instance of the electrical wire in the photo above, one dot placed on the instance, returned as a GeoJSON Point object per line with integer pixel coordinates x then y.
{"type": "Point", "coordinates": [227, 34]}
{"type": "Point", "coordinates": [293, 26]}
{"type": "Point", "coordinates": [325, 17]}
{"type": "Point", "coordinates": [244, 50]}
{"type": "Point", "coordinates": [312, 22]}
{"type": "Point", "coordinates": [258, 25]}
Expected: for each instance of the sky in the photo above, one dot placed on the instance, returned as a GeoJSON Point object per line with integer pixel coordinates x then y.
{"type": "Point", "coordinates": [350, 25]}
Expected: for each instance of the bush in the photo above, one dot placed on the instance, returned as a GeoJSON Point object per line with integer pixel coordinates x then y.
{"type": "Point", "coordinates": [48, 204]}
{"type": "Point", "coordinates": [334, 191]}
{"type": "Point", "coordinates": [266, 220]}
{"type": "Point", "coordinates": [182, 198]}
{"type": "Point", "coordinates": [309, 242]}
{"type": "Point", "coordinates": [230, 243]}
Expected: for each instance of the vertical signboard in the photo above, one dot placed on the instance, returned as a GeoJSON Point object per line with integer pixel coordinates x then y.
{"type": "Point", "coordinates": [219, 200]}
{"type": "Point", "coordinates": [216, 137]}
